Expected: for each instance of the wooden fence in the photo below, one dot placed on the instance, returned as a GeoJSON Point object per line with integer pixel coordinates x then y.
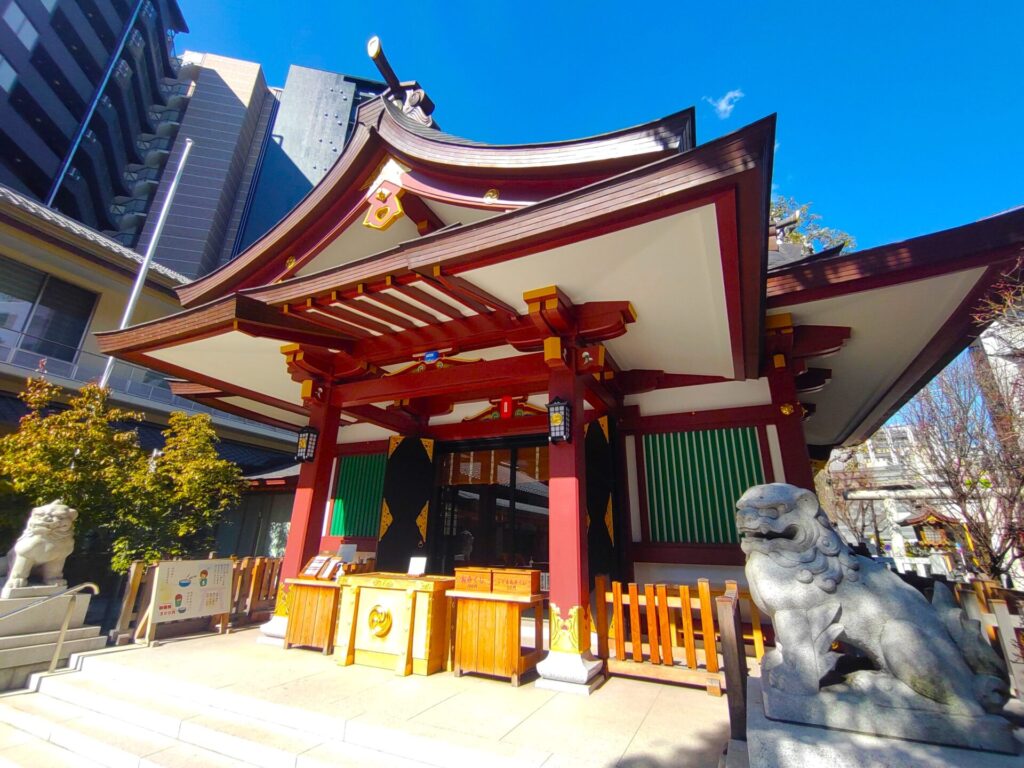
{"type": "Point", "coordinates": [253, 593]}
{"type": "Point", "coordinates": [668, 632]}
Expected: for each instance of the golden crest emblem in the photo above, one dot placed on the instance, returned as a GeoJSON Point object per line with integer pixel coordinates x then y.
{"type": "Point", "coordinates": [379, 621]}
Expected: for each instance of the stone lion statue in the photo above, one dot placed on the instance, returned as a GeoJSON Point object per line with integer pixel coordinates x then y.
{"type": "Point", "coordinates": [42, 548]}
{"type": "Point", "coordinates": [820, 594]}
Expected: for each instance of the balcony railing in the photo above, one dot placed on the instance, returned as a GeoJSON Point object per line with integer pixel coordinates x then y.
{"type": "Point", "coordinates": [174, 92]}
{"type": "Point", "coordinates": [60, 360]}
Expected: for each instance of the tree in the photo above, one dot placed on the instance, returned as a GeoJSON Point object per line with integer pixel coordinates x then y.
{"type": "Point", "coordinates": [846, 471]}
{"type": "Point", "coordinates": [140, 506]}
{"type": "Point", "coordinates": [808, 230]}
{"type": "Point", "coordinates": [966, 457]}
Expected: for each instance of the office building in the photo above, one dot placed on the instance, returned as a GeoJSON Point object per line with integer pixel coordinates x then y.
{"type": "Point", "coordinates": [94, 107]}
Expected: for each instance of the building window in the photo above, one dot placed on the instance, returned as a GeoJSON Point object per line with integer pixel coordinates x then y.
{"type": "Point", "coordinates": [932, 535]}
{"type": "Point", "coordinates": [40, 314]}
{"type": "Point", "coordinates": [21, 26]}
{"type": "Point", "coordinates": [880, 448]}
{"type": "Point", "coordinates": [7, 74]}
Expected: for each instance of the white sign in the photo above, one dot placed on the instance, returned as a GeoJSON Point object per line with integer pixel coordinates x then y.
{"type": "Point", "coordinates": [417, 566]}
{"type": "Point", "coordinates": [191, 589]}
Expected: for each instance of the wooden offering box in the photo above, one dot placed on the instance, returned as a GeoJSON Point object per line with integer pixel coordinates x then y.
{"type": "Point", "coordinates": [507, 581]}
{"type": "Point", "coordinates": [487, 628]}
{"type": "Point", "coordinates": [394, 621]}
{"type": "Point", "coordinates": [473, 579]}
{"type": "Point", "coordinates": [312, 613]}
{"type": "Point", "coordinates": [515, 581]}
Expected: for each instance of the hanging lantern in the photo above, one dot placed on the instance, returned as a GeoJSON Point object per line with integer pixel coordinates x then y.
{"type": "Point", "coordinates": [305, 445]}
{"type": "Point", "coordinates": [559, 421]}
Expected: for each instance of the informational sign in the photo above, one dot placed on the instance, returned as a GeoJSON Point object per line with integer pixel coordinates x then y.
{"type": "Point", "coordinates": [417, 566]}
{"type": "Point", "coordinates": [314, 566]}
{"type": "Point", "coordinates": [191, 589]}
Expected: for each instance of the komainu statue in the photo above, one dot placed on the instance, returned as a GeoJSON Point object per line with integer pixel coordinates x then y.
{"type": "Point", "coordinates": [42, 548]}
{"type": "Point", "coordinates": [917, 670]}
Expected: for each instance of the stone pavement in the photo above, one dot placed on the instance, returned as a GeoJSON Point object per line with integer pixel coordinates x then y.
{"type": "Point", "coordinates": [228, 701]}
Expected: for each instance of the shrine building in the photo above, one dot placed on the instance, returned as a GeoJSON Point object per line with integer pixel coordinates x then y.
{"type": "Point", "coordinates": [433, 298]}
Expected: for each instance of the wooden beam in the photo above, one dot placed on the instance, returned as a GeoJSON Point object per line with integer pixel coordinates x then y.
{"type": "Point", "coordinates": [747, 416]}
{"type": "Point", "coordinates": [817, 340]}
{"type": "Point", "coordinates": [428, 300]}
{"type": "Point", "coordinates": [342, 329]}
{"type": "Point", "coordinates": [375, 310]}
{"type": "Point", "coordinates": [420, 214]}
{"type": "Point", "coordinates": [396, 421]}
{"type": "Point", "coordinates": [245, 413]}
{"type": "Point", "coordinates": [639, 380]}
{"type": "Point", "coordinates": [813, 380]}
{"type": "Point", "coordinates": [523, 374]}
{"type": "Point", "coordinates": [399, 305]}
{"type": "Point", "coordinates": [462, 290]}
{"type": "Point", "coordinates": [191, 389]}
{"type": "Point", "coordinates": [337, 309]}
{"type": "Point", "coordinates": [463, 335]}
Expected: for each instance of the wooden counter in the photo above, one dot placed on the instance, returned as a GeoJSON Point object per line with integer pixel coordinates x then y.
{"type": "Point", "coordinates": [394, 621]}
{"type": "Point", "coordinates": [487, 633]}
{"type": "Point", "coordinates": [312, 613]}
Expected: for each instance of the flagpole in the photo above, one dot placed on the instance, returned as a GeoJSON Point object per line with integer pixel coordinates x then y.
{"type": "Point", "coordinates": [140, 280]}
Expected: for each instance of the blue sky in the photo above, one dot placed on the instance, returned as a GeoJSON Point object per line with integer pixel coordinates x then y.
{"type": "Point", "coordinates": [895, 119]}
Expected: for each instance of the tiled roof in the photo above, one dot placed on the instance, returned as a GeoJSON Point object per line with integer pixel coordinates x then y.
{"type": "Point", "coordinates": [8, 197]}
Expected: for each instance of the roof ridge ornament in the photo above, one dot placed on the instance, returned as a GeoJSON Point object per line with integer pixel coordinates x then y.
{"type": "Point", "coordinates": [412, 100]}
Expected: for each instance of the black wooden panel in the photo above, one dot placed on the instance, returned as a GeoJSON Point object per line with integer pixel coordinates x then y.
{"type": "Point", "coordinates": [408, 486]}
{"type": "Point", "coordinates": [600, 494]}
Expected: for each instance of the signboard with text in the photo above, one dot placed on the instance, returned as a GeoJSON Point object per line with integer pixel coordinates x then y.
{"type": "Point", "coordinates": [191, 589]}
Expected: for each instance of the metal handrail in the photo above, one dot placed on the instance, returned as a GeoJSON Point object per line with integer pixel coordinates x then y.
{"type": "Point", "coordinates": [73, 591]}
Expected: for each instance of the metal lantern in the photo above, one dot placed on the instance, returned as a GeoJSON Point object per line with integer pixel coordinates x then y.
{"type": "Point", "coordinates": [559, 421]}
{"type": "Point", "coordinates": [305, 445]}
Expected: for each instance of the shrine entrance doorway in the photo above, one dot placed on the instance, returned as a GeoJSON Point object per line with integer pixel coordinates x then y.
{"type": "Point", "coordinates": [491, 506]}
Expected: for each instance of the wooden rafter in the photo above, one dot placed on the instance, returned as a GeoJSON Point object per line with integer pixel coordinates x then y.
{"type": "Point", "coordinates": [314, 315]}
{"type": "Point", "coordinates": [341, 311]}
{"type": "Point", "coordinates": [428, 300]}
{"type": "Point", "coordinates": [380, 313]}
{"type": "Point", "coordinates": [399, 305]}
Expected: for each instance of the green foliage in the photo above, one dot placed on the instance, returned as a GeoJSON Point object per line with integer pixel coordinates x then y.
{"type": "Point", "coordinates": [142, 507]}
{"type": "Point", "coordinates": [809, 231]}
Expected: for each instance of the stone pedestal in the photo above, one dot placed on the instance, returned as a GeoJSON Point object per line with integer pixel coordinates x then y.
{"type": "Point", "coordinates": [776, 744]}
{"type": "Point", "coordinates": [28, 638]}
{"type": "Point", "coordinates": [570, 673]}
{"type": "Point", "coordinates": [273, 632]}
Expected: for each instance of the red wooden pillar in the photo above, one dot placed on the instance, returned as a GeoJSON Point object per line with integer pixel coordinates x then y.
{"type": "Point", "coordinates": [569, 664]}
{"type": "Point", "coordinates": [796, 461]}
{"type": "Point", "coordinates": [567, 505]}
{"type": "Point", "coordinates": [313, 489]}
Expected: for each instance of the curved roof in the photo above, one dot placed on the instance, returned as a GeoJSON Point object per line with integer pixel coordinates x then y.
{"type": "Point", "coordinates": [383, 131]}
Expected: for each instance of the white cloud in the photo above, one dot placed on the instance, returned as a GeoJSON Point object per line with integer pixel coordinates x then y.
{"type": "Point", "coordinates": [723, 107]}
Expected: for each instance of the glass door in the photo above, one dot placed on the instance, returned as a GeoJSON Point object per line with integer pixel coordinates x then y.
{"type": "Point", "coordinates": [492, 509]}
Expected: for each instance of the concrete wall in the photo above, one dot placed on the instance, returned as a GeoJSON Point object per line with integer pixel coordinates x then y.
{"type": "Point", "coordinates": [221, 119]}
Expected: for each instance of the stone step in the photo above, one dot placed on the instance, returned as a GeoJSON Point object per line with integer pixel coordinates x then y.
{"type": "Point", "coordinates": [104, 667]}
{"type": "Point", "coordinates": [145, 707]}
{"type": "Point", "coordinates": [254, 742]}
{"type": "Point", "coordinates": [246, 738]}
{"type": "Point", "coordinates": [38, 753]}
{"type": "Point", "coordinates": [42, 617]}
{"type": "Point", "coordinates": [94, 739]}
{"type": "Point", "coordinates": [34, 654]}
{"type": "Point", "coordinates": [266, 733]}
{"type": "Point", "coordinates": [18, 664]}
{"type": "Point", "coordinates": [41, 638]}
